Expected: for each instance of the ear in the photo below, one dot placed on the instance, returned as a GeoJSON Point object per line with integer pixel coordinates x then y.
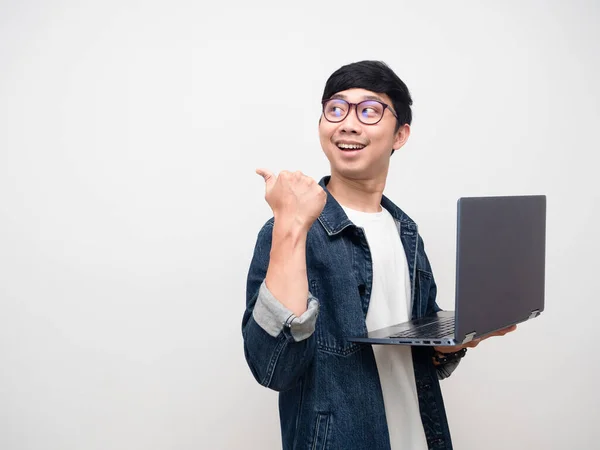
{"type": "Point", "coordinates": [401, 136]}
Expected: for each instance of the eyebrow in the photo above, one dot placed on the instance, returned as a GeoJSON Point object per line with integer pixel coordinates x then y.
{"type": "Point", "coordinates": [366, 97]}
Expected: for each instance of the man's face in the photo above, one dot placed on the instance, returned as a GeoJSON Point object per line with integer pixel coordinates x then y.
{"type": "Point", "coordinates": [356, 150]}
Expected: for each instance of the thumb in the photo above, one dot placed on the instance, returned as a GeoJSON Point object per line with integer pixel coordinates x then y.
{"type": "Point", "coordinates": [268, 177]}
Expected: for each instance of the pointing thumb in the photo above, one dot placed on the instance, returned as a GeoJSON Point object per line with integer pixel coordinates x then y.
{"type": "Point", "coordinates": [268, 177]}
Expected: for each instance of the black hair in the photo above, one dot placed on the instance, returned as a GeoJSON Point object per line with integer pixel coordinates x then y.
{"type": "Point", "coordinates": [375, 76]}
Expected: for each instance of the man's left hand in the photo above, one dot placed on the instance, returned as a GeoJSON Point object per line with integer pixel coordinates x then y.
{"type": "Point", "coordinates": [474, 342]}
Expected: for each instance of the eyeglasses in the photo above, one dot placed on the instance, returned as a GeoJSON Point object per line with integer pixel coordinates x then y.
{"type": "Point", "coordinates": [369, 112]}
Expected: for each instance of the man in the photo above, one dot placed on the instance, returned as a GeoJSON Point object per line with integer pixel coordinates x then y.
{"type": "Point", "coordinates": [337, 259]}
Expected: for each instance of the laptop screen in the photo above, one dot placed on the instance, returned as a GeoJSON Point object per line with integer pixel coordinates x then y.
{"type": "Point", "coordinates": [500, 271]}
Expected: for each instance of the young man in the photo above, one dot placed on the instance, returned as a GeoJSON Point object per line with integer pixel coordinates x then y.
{"type": "Point", "coordinates": [339, 258]}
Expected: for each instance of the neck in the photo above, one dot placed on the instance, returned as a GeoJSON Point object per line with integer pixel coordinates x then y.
{"type": "Point", "coordinates": [358, 194]}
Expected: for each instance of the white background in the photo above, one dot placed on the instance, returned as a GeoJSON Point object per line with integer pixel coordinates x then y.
{"type": "Point", "coordinates": [129, 206]}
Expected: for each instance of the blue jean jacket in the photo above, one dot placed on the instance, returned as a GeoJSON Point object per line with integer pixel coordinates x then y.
{"type": "Point", "coordinates": [330, 395]}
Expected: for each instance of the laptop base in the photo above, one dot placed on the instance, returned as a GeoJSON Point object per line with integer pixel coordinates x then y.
{"type": "Point", "coordinates": [435, 330]}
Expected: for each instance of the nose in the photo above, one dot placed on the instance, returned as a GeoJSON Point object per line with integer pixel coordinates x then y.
{"type": "Point", "coordinates": [351, 124]}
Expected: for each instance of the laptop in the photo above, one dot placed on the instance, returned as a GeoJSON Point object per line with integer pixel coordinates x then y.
{"type": "Point", "coordinates": [500, 274]}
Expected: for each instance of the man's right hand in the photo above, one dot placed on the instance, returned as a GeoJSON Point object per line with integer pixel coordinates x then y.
{"type": "Point", "coordinates": [294, 198]}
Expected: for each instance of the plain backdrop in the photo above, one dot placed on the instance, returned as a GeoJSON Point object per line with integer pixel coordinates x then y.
{"type": "Point", "coordinates": [129, 206]}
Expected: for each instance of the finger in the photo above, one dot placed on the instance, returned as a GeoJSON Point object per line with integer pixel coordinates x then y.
{"type": "Point", "coordinates": [309, 181]}
{"type": "Point", "coordinates": [501, 332]}
{"type": "Point", "coordinates": [506, 330]}
{"type": "Point", "coordinates": [474, 343]}
{"type": "Point", "coordinates": [265, 173]}
{"type": "Point", "coordinates": [267, 176]}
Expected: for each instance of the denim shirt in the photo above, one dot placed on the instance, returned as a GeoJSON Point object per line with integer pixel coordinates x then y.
{"type": "Point", "coordinates": [330, 396]}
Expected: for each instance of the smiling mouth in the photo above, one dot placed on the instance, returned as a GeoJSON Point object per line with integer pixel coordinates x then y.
{"type": "Point", "coordinates": [350, 147]}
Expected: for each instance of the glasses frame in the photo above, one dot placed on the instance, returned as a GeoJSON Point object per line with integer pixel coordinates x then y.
{"type": "Point", "coordinates": [355, 105]}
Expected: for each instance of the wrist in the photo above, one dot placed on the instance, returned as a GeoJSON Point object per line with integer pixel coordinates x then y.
{"type": "Point", "coordinates": [444, 358]}
{"type": "Point", "coordinates": [289, 226]}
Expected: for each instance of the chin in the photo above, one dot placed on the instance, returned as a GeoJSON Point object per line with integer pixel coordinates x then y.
{"type": "Point", "coordinates": [351, 173]}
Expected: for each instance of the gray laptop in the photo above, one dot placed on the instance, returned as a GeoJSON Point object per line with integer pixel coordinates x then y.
{"type": "Point", "coordinates": [500, 274]}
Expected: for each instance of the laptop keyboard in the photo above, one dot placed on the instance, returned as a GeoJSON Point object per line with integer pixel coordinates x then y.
{"type": "Point", "coordinates": [438, 329]}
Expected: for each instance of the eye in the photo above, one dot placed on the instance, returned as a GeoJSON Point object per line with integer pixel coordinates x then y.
{"type": "Point", "coordinates": [369, 112]}
{"type": "Point", "coordinates": [336, 109]}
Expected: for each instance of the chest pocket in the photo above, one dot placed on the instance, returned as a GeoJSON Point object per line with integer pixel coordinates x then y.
{"type": "Point", "coordinates": [340, 317]}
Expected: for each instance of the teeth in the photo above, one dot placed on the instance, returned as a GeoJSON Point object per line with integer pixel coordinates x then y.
{"type": "Point", "coordinates": [351, 146]}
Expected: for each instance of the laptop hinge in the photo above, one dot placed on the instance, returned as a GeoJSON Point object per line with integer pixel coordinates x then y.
{"type": "Point", "coordinates": [534, 313]}
{"type": "Point", "coordinates": [469, 337]}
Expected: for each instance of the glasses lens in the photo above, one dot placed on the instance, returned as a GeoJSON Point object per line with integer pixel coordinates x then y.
{"type": "Point", "coordinates": [369, 112]}
{"type": "Point", "coordinates": [335, 110]}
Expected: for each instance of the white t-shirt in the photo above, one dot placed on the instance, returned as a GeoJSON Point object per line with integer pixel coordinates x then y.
{"type": "Point", "coordinates": [390, 304]}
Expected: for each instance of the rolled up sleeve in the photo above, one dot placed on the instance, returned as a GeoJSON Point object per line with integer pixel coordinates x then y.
{"type": "Point", "coordinates": [273, 316]}
{"type": "Point", "coordinates": [445, 370]}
